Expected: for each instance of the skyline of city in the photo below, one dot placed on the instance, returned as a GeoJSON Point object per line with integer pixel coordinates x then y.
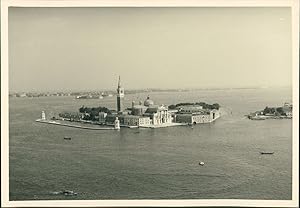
{"type": "Point", "coordinates": [132, 90]}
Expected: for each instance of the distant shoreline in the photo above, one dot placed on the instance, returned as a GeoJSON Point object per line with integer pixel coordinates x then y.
{"type": "Point", "coordinates": [93, 93]}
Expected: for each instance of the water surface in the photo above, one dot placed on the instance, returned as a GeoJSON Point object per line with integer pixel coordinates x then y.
{"type": "Point", "coordinates": [153, 163]}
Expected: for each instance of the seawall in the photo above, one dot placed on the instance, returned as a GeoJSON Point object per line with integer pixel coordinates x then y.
{"type": "Point", "coordinates": [72, 125]}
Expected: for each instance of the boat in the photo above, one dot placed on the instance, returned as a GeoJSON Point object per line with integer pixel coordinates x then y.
{"type": "Point", "coordinates": [56, 192]}
{"type": "Point", "coordinates": [201, 163]}
{"type": "Point", "coordinates": [64, 192]}
{"type": "Point", "coordinates": [267, 153]}
{"type": "Point", "coordinates": [69, 193]}
{"type": "Point", "coordinates": [67, 138]}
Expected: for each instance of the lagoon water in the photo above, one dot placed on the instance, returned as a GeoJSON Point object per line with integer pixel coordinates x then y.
{"type": "Point", "coordinates": [153, 163]}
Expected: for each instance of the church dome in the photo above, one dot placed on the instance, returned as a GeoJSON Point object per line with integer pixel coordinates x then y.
{"type": "Point", "coordinates": [148, 102]}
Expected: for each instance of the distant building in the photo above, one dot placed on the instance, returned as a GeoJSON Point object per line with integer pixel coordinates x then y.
{"type": "Point", "coordinates": [120, 96]}
{"type": "Point", "coordinates": [158, 114]}
{"type": "Point", "coordinates": [147, 113]}
{"type": "Point", "coordinates": [196, 115]}
{"type": "Point", "coordinates": [287, 105]}
{"type": "Point", "coordinates": [139, 115]}
{"type": "Point", "coordinates": [288, 109]}
{"type": "Point", "coordinates": [190, 108]}
{"type": "Point", "coordinates": [138, 110]}
{"type": "Point", "coordinates": [131, 120]}
{"type": "Point", "coordinates": [128, 120]}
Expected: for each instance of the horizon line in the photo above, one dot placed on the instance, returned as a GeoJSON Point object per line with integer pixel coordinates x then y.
{"type": "Point", "coordinates": [150, 88]}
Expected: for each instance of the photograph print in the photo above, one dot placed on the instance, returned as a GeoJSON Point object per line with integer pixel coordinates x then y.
{"type": "Point", "coordinates": [150, 103]}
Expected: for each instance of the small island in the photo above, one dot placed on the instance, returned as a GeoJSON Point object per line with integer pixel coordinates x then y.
{"type": "Point", "coordinates": [144, 114]}
{"type": "Point", "coordinates": [283, 112]}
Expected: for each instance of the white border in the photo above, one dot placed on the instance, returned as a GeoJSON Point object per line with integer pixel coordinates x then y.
{"type": "Point", "coordinates": [294, 4]}
{"type": "Point", "coordinates": [149, 3]}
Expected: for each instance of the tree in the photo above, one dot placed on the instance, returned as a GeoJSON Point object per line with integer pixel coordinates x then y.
{"type": "Point", "coordinates": [92, 113]}
{"type": "Point", "coordinates": [268, 110]}
{"type": "Point", "coordinates": [172, 107]}
{"type": "Point", "coordinates": [203, 104]}
{"type": "Point", "coordinates": [82, 109]}
{"type": "Point", "coordinates": [280, 111]}
{"type": "Point", "coordinates": [216, 106]}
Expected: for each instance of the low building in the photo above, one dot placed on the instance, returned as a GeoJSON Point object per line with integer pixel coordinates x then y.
{"type": "Point", "coordinates": [289, 114]}
{"type": "Point", "coordinates": [288, 109]}
{"type": "Point", "coordinates": [202, 116]}
{"type": "Point", "coordinates": [190, 108]}
{"type": "Point", "coordinates": [131, 120]}
{"type": "Point", "coordinates": [289, 105]}
{"type": "Point", "coordinates": [128, 120]}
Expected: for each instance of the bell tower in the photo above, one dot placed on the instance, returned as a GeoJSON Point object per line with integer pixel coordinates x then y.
{"type": "Point", "coordinates": [120, 96]}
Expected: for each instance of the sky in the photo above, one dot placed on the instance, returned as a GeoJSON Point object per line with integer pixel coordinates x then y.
{"type": "Point", "coordinates": [88, 48]}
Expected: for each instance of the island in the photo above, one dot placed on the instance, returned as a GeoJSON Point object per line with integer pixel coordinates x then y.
{"type": "Point", "coordinates": [145, 114]}
{"type": "Point", "coordinates": [283, 112]}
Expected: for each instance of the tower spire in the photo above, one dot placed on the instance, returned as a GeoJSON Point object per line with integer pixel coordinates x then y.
{"type": "Point", "coordinates": [119, 82]}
